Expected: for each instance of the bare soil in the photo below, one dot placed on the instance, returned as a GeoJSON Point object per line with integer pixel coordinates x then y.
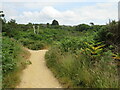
{"type": "Point", "coordinates": [37, 75]}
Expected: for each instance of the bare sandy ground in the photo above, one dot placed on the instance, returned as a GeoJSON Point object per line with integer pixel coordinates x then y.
{"type": "Point", "coordinates": [37, 75]}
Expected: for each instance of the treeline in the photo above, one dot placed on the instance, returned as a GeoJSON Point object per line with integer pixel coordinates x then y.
{"type": "Point", "coordinates": [10, 26]}
{"type": "Point", "coordinates": [109, 33]}
{"type": "Point", "coordinates": [47, 33]}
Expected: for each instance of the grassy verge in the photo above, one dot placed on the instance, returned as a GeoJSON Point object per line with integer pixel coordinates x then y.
{"type": "Point", "coordinates": [14, 58]}
{"type": "Point", "coordinates": [78, 67]}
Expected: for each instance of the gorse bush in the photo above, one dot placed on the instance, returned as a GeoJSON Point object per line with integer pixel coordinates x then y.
{"type": "Point", "coordinates": [110, 35]}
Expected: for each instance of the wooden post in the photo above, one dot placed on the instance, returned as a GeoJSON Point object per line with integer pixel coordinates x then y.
{"type": "Point", "coordinates": [34, 29]}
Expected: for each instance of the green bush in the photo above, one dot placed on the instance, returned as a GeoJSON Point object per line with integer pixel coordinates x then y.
{"type": "Point", "coordinates": [76, 66]}
{"type": "Point", "coordinates": [33, 44]}
{"type": "Point", "coordinates": [13, 62]}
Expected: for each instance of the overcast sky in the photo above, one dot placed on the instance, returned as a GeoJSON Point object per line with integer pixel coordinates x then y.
{"type": "Point", "coordinates": [67, 12]}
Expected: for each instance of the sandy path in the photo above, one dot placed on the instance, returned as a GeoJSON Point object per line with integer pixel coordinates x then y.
{"type": "Point", "coordinates": [37, 75]}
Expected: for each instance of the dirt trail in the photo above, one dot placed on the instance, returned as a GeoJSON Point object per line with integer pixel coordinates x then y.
{"type": "Point", "coordinates": [37, 75]}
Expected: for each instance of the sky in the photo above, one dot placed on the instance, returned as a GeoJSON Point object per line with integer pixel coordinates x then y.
{"type": "Point", "coordinates": [66, 12]}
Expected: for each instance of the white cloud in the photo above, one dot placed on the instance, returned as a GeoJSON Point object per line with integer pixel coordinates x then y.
{"type": "Point", "coordinates": [51, 12]}
{"type": "Point", "coordinates": [101, 11]}
{"type": "Point", "coordinates": [36, 5]}
{"type": "Point", "coordinates": [9, 11]}
{"type": "Point", "coordinates": [46, 15]}
{"type": "Point", "coordinates": [98, 13]}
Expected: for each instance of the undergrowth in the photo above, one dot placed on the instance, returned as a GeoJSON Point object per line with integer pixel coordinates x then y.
{"type": "Point", "coordinates": [14, 59]}
{"type": "Point", "coordinates": [83, 65]}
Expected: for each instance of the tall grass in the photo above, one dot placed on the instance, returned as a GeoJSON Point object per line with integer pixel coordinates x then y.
{"type": "Point", "coordinates": [81, 68]}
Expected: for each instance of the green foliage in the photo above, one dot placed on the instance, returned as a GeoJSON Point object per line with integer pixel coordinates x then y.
{"type": "Point", "coordinates": [79, 56]}
{"type": "Point", "coordinates": [110, 34]}
{"type": "Point", "coordinates": [83, 62]}
{"type": "Point", "coordinates": [102, 34]}
{"type": "Point", "coordinates": [13, 61]}
{"type": "Point", "coordinates": [94, 48]}
{"type": "Point", "coordinates": [76, 69]}
{"type": "Point", "coordinates": [11, 29]}
{"type": "Point", "coordinates": [33, 44]}
{"type": "Point", "coordinates": [82, 27]}
{"type": "Point", "coordinates": [25, 35]}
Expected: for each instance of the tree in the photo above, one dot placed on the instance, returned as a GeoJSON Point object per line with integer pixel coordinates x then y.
{"type": "Point", "coordinates": [1, 14]}
{"type": "Point", "coordinates": [48, 25]}
{"type": "Point", "coordinates": [11, 28]}
{"type": "Point", "coordinates": [91, 23]}
{"type": "Point", "coordinates": [110, 34]}
{"type": "Point", "coordinates": [55, 22]}
{"type": "Point", "coordinates": [2, 21]}
{"type": "Point", "coordinates": [12, 21]}
{"type": "Point", "coordinates": [82, 27]}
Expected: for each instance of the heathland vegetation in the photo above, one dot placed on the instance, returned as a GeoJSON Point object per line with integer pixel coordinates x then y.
{"type": "Point", "coordinates": [84, 56]}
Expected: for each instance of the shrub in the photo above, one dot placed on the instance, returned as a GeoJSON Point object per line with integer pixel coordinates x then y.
{"type": "Point", "coordinates": [79, 67]}
{"type": "Point", "coordinates": [13, 62]}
